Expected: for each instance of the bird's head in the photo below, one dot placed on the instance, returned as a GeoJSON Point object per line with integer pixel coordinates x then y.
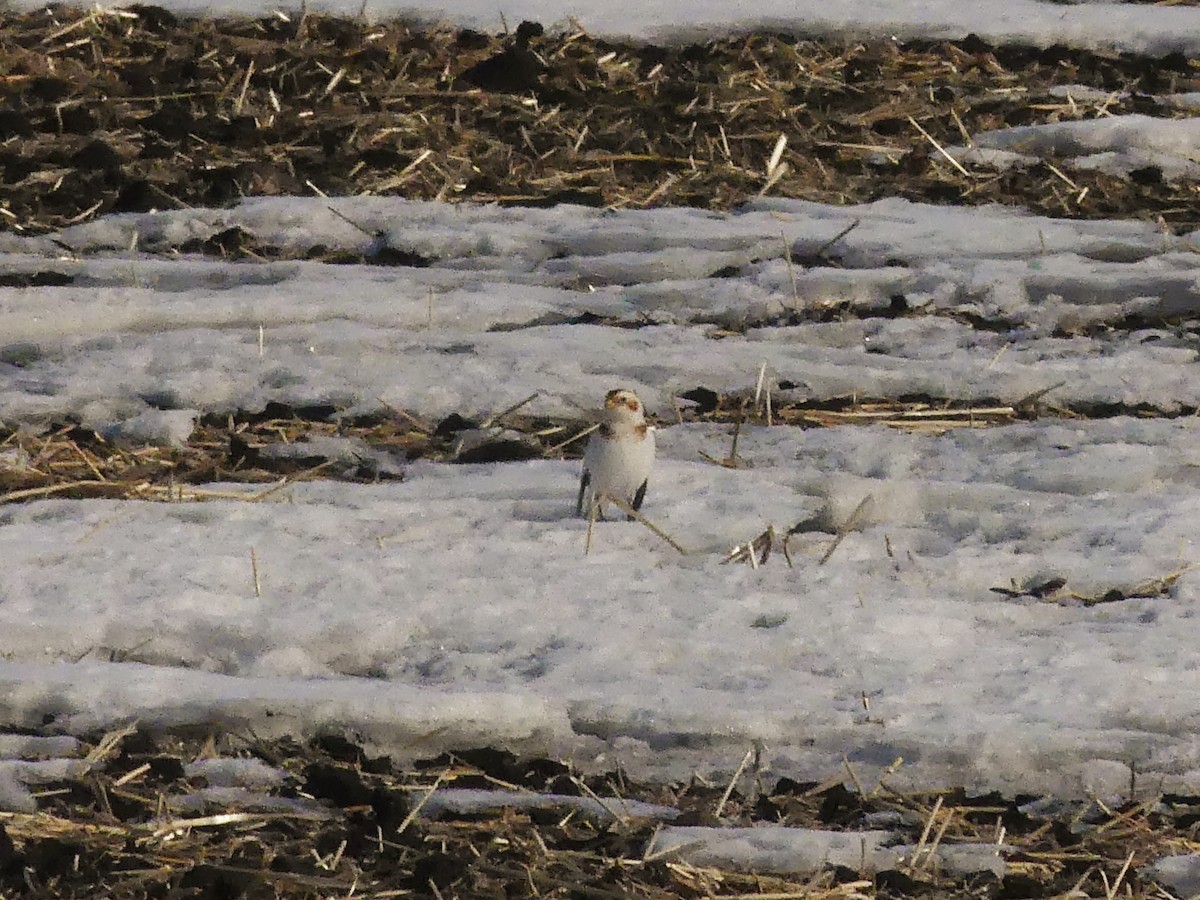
{"type": "Point", "coordinates": [623, 405]}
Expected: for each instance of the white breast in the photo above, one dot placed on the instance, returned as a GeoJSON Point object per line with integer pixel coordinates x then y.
{"type": "Point", "coordinates": [618, 466]}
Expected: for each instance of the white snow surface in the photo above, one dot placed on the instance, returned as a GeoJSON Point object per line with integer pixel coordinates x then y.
{"type": "Point", "coordinates": [1116, 145]}
{"type": "Point", "coordinates": [774, 848]}
{"type": "Point", "coordinates": [1129, 27]}
{"type": "Point", "coordinates": [458, 606]}
{"type": "Point", "coordinates": [1181, 874]}
{"type": "Point", "coordinates": [792, 851]}
{"type": "Point", "coordinates": [496, 314]}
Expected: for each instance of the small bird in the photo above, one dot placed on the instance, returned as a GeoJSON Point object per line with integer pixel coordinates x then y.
{"type": "Point", "coordinates": [616, 464]}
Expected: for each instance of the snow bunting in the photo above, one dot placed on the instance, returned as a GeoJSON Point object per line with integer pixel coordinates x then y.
{"type": "Point", "coordinates": [619, 455]}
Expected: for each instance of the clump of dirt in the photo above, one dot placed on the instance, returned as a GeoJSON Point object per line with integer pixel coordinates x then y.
{"type": "Point", "coordinates": [135, 109]}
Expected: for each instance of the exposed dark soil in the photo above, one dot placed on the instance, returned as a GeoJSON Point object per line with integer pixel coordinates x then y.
{"type": "Point", "coordinates": [67, 460]}
{"type": "Point", "coordinates": [117, 831]}
{"type": "Point", "coordinates": [138, 109]}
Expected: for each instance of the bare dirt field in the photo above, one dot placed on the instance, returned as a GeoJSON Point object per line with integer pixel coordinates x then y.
{"type": "Point", "coordinates": [345, 824]}
{"type": "Point", "coordinates": [135, 109]}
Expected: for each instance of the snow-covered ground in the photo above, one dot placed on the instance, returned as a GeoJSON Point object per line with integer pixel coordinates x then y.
{"type": "Point", "coordinates": [491, 319]}
{"type": "Point", "coordinates": [458, 606]}
{"type": "Point", "coordinates": [1116, 145]}
{"type": "Point", "coordinates": [1133, 27]}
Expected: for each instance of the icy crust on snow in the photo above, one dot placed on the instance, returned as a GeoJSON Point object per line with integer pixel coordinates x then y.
{"type": "Point", "coordinates": [785, 850]}
{"type": "Point", "coordinates": [459, 606]}
{"type": "Point", "coordinates": [1137, 28]}
{"type": "Point", "coordinates": [140, 344]}
{"type": "Point", "coordinates": [1179, 873]}
{"type": "Point", "coordinates": [1116, 145]}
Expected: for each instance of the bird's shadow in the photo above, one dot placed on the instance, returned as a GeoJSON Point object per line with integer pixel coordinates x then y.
{"type": "Point", "coordinates": [556, 509]}
{"type": "Point", "coordinates": [559, 509]}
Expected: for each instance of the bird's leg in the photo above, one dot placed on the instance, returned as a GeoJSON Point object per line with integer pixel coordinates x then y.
{"type": "Point", "coordinates": [584, 481]}
{"type": "Point", "coordinates": [636, 505]}
{"type": "Point", "coordinates": [640, 496]}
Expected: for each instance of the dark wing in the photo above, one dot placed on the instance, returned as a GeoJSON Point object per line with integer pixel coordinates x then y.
{"type": "Point", "coordinates": [584, 481]}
